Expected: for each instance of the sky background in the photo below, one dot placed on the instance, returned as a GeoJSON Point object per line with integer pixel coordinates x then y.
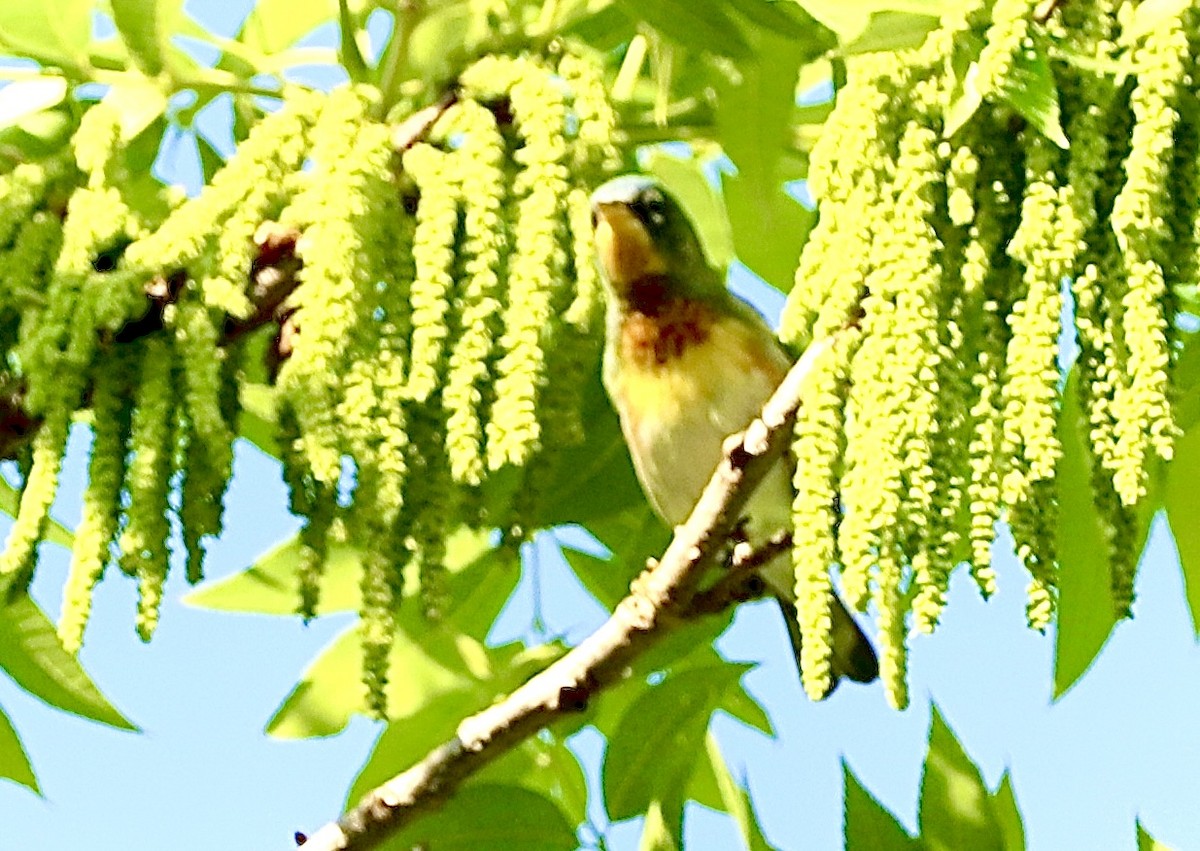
{"type": "Point", "coordinates": [1123, 744]}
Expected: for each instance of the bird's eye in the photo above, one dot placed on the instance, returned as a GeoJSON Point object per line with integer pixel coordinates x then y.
{"type": "Point", "coordinates": [653, 209]}
{"type": "Point", "coordinates": [595, 218]}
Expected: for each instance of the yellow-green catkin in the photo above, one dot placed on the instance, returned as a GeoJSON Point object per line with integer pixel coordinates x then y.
{"type": "Point", "coordinates": [1140, 220]}
{"type": "Point", "coordinates": [893, 632]}
{"type": "Point", "coordinates": [22, 191]}
{"type": "Point", "coordinates": [37, 494]}
{"type": "Point", "coordinates": [1005, 40]}
{"type": "Point", "coordinates": [1029, 440]}
{"type": "Point", "coordinates": [316, 503]}
{"type": "Point", "coordinates": [275, 148]}
{"type": "Point", "coordinates": [816, 449]}
{"type": "Point", "coordinates": [538, 261]}
{"type": "Point", "coordinates": [434, 242]}
{"type": "Point", "coordinates": [847, 179]}
{"type": "Point", "coordinates": [207, 452]}
{"type": "Point", "coordinates": [143, 542]}
{"type": "Point", "coordinates": [23, 273]}
{"type": "Point", "coordinates": [112, 406]}
{"type": "Point", "coordinates": [485, 246]}
{"type": "Point", "coordinates": [335, 277]}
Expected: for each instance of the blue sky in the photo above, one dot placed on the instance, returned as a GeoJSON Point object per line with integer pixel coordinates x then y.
{"type": "Point", "coordinates": [1122, 744]}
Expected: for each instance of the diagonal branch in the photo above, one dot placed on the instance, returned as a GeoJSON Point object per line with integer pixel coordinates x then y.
{"type": "Point", "coordinates": [659, 598]}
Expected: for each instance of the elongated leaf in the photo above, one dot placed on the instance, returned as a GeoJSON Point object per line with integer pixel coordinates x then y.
{"type": "Point", "coordinates": [649, 760]}
{"type": "Point", "coordinates": [1183, 508]}
{"type": "Point", "coordinates": [701, 26]}
{"type": "Point", "coordinates": [138, 102]}
{"type": "Point", "coordinates": [1031, 90]}
{"type": "Point", "coordinates": [736, 799]}
{"type": "Point", "coordinates": [25, 97]}
{"type": "Point", "coordinates": [868, 826]}
{"type": "Point", "coordinates": [14, 762]}
{"type": "Point", "coordinates": [955, 808]}
{"type": "Point", "coordinates": [426, 667]}
{"type": "Point", "coordinates": [269, 585]}
{"type": "Point", "coordinates": [1085, 609]}
{"type": "Point", "coordinates": [892, 31]}
{"type": "Point", "coordinates": [55, 33]}
{"type": "Point", "coordinates": [485, 817]}
{"type": "Point", "coordinates": [754, 116]}
{"type": "Point", "coordinates": [1008, 815]}
{"type": "Point", "coordinates": [31, 654]}
{"type": "Point", "coordinates": [138, 23]}
{"type": "Point", "coordinates": [1146, 842]}
{"type": "Point", "coordinates": [274, 25]}
{"type": "Point", "coordinates": [660, 831]}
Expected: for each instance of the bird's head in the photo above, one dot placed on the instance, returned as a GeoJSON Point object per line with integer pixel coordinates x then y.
{"type": "Point", "coordinates": [645, 242]}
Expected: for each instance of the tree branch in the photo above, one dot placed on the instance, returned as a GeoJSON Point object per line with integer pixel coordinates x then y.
{"type": "Point", "coordinates": [662, 596]}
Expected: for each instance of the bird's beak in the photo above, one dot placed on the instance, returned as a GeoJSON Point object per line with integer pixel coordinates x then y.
{"type": "Point", "coordinates": [626, 251]}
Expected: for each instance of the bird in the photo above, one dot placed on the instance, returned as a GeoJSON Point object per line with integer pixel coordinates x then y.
{"type": "Point", "coordinates": [686, 364]}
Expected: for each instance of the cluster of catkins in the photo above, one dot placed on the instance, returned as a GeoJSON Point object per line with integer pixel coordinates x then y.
{"type": "Point", "coordinates": [954, 221]}
{"type": "Point", "coordinates": [433, 352]}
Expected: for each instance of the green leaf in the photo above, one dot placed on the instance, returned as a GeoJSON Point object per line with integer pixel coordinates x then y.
{"type": "Point", "coordinates": [955, 809]}
{"type": "Point", "coordinates": [484, 817]}
{"type": "Point", "coordinates": [55, 33]}
{"type": "Point", "coordinates": [430, 665]}
{"type": "Point", "coordinates": [850, 20]}
{"type": "Point", "coordinates": [40, 134]}
{"type": "Point", "coordinates": [258, 421]}
{"type": "Point", "coordinates": [137, 22]}
{"type": "Point", "coordinates": [10, 501]}
{"type": "Point", "coordinates": [349, 55]}
{"type": "Point", "coordinates": [1008, 815]}
{"type": "Point", "coordinates": [753, 117]}
{"type": "Point", "coordinates": [31, 654]}
{"type": "Point", "coordinates": [1183, 508]}
{"type": "Point", "coordinates": [274, 25]}
{"type": "Point", "coordinates": [636, 534]}
{"type": "Point", "coordinates": [1146, 842]}
{"type": "Point", "coordinates": [475, 568]}
{"type": "Point", "coordinates": [14, 762]}
{"type": "Point", "coordinates": [1085, 609]}
{"type": "Point", "coordinates": [735, 798]}
{"type": "Point", "coordinates": [660, 832]}
{"type": "Point", "coordinates": [699, 26]}
{"type": "Point", "coordinates": [649, 760]}
{"type": "Point", "coordinates": [138, 101]}
{"type": "Point", "coordinates": [868, 826]}
{"type": "Point", "coordinates": [685, 179]}
{"type": "Point", "coordinates": [25, 97]}
{"type": "Point", "coordinates": [1030, 89]}
{"type": "Point", "coordinates": [892, 31]}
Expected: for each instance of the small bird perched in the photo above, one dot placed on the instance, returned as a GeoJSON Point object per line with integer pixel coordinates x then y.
{"type": "Point", "coordinates": [687, 364]}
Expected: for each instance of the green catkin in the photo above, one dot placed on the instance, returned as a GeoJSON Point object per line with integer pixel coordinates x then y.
{"type": "Point", "coordinates": [23, 272]}
{"type": "Point", "coordinates": [845, 178]}
{"type": "Point", "coordinates": [893, 654]}
{"type": "Point", "coordinates": [37, 494]}
{"type": "Point", "coordinates": [434, 258]}
{"type": "Point", "coordinates": [1005, 40]}
{"type": "Point", "coordinates": [378, 628]}
{"type": "Point", "coordinates": [817, 448]}
{"type": "Point", "coordinates": [485, 244]}
{"type": "Point", "coordinates": [313, 501]}
{"type": "Point", "coordinates": [22, 190]}
{"type": "Point", "coordinates": [143, 541]}
{"type": "Point", "coordinates": [112, 407]}
{"type": "Point", "coordinates": [335, 277]}
{"type": "Point", "coordinates": [538, 261]}
{"type": "Point", "coordinates": [207, 452]}
{"type": "Point", "coordinates": [274, 149]}
{"type": "Point", "coordinates": [1141, 408]}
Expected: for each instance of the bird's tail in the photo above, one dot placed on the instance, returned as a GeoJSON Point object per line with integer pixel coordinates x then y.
{"type": "Point", "coordinates": [853, 656]}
